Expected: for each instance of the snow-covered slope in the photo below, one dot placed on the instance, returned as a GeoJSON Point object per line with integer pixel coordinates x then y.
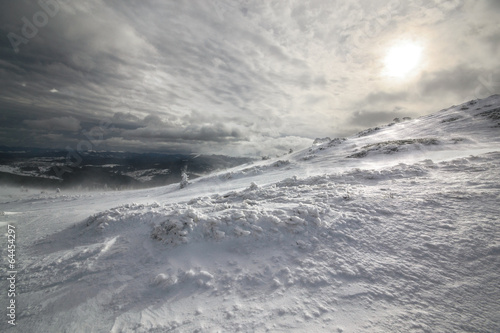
{"type": "Point", "coordinates": [394, 229]}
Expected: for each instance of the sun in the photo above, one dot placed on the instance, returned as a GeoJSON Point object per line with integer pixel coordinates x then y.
{"type": "Point", "coordinates": [402, 59]}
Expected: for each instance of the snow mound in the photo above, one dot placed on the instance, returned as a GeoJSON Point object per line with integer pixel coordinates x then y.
{"type": "Point", "coordinates": [390, 147]}
{"type": "Point", "coordinates": [256, 213]}
{"type": "Point", "coordinates": [404, 239]}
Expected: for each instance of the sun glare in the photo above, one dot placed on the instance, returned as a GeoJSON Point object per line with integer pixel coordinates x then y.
{"type": "Point", "coordinates": [402, 59]}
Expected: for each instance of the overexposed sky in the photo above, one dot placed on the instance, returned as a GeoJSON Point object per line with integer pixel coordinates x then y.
{"type": "Point", "coordinates": [234, 77]}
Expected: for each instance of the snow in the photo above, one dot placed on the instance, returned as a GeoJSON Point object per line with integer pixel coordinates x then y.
{"type": "Point", "coordinates": [17, 170]}
{"type": "Point", "coordinates": [146, 175]}
{"type": "Point", "coordinates": [402, 236]}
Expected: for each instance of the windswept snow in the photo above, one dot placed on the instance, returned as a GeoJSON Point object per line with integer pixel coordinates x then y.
{"type": "Point", "coordinates": [395, 230]}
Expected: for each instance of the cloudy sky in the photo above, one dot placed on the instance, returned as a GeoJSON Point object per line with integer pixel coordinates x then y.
{"type": "Point", "coordinates": [233, 76]}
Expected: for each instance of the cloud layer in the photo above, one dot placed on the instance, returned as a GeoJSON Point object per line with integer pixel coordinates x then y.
{"type": "Point", "coordinates": [233, 77]}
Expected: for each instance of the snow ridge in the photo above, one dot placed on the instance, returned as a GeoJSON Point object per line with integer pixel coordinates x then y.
{"type": "Point", "coordinates": [402, 236]}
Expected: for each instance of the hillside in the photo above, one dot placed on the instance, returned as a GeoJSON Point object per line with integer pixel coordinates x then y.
{"type": "Point", "coordinates": [92, 170]}
{"type": "Point", "coordinates": [394, 229]}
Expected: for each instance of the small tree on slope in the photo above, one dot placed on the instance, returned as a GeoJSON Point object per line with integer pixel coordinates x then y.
{"type": "Point", "coordinates": [184, 178]}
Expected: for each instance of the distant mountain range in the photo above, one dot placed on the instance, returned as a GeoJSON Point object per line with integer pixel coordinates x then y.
{"type": "Point", "coordinates": [49, 168]}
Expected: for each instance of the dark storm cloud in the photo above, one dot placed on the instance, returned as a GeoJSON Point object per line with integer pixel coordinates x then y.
{"type": "Point", "coordinates": [64, 124]}
{"type": "Point", "coordinates": [494, 41]}
{"type": "Point", "coordinates": [173, 129]}
{"type": "Point", "coordinates": [363, 119]}
{"type": "Point", "coordinates": [385, 97]}
{"type": "Point", "coordinates": [493, 4]}
{"type": "Point", "coordinates": [214, 132]}
{"type": "Point", "coordinates": [461, 80]}
{"type": "Point", "coordinates": [227, 76]}
{"type": "Point", "coordinates": [126, 121]}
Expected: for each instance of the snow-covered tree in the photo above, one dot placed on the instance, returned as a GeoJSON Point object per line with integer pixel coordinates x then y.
{"type": "Point", "coordinates": [184, 178]}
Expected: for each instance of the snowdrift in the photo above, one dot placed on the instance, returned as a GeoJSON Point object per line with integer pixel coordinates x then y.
{"type": "Point", "coordinates": [393, 229]}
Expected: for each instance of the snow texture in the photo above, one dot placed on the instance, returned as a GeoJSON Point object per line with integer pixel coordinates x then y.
{"type": "Point", "coordinates": [391, 230]}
